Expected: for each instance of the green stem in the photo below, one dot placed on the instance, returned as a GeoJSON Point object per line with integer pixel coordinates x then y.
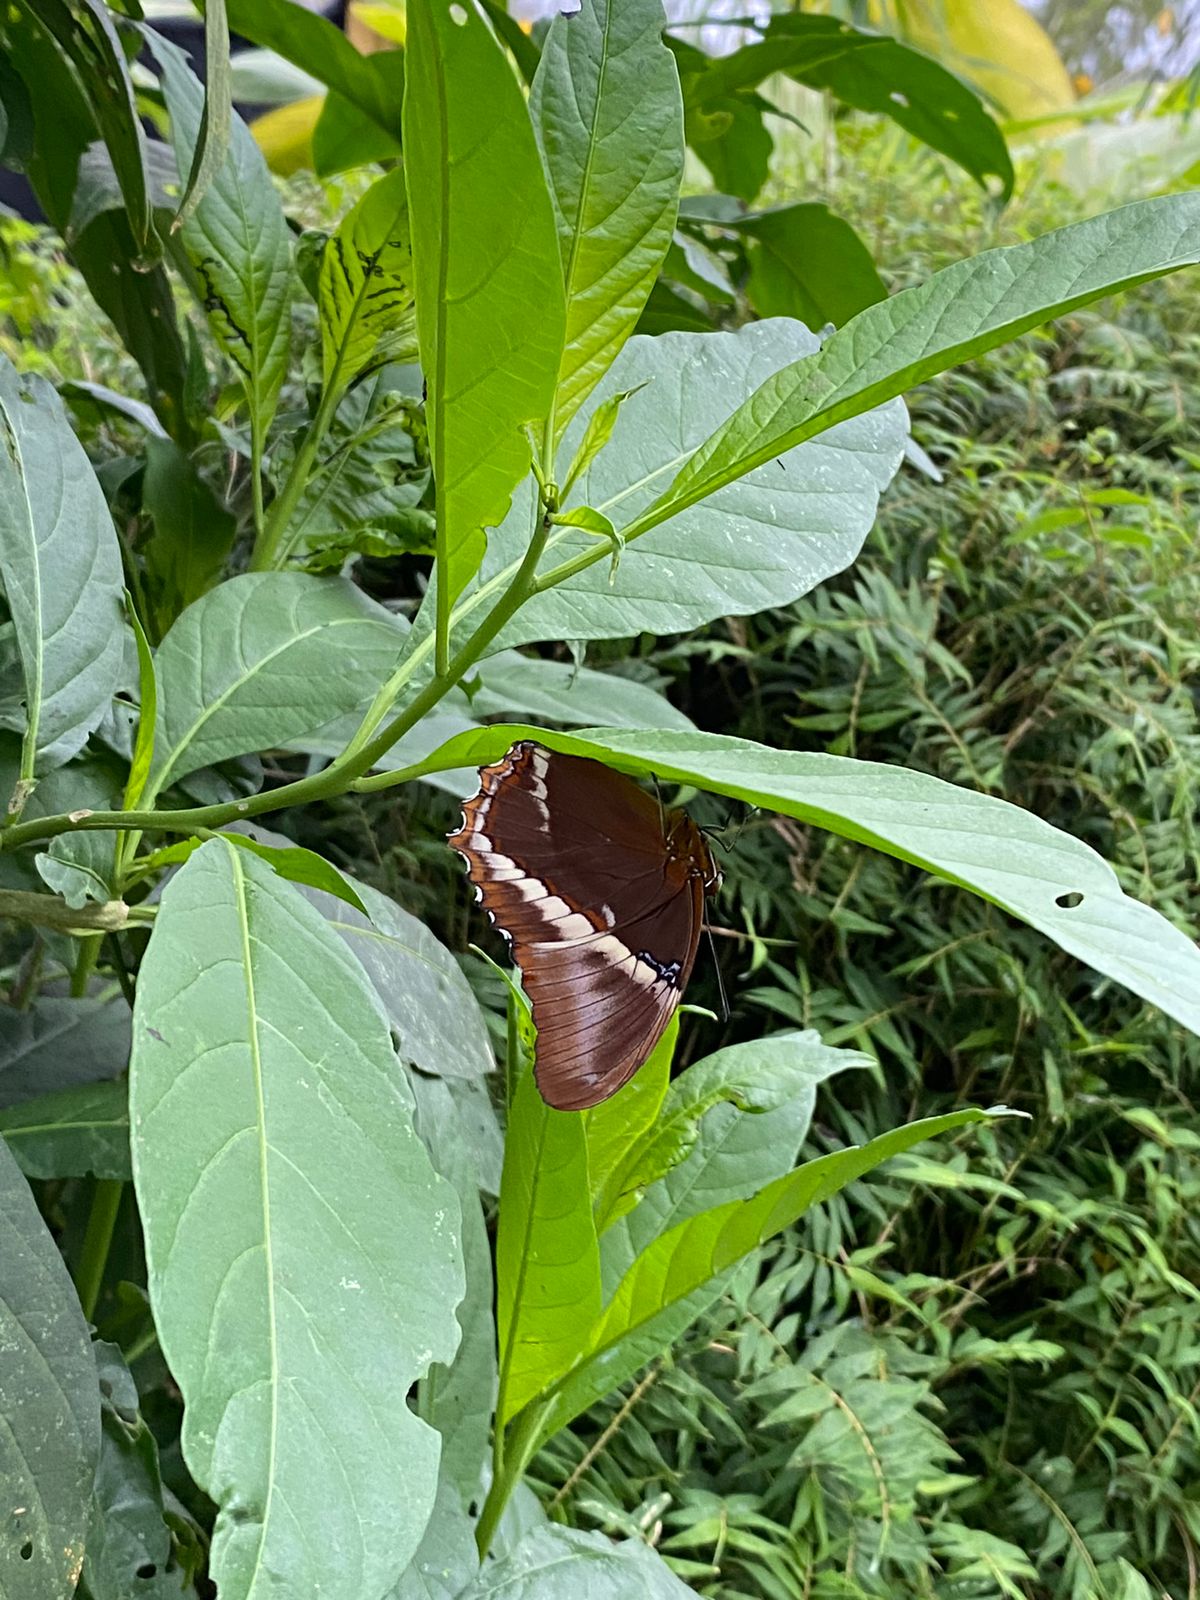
{"type": "Point", "coordinates": [256, 479]}
{"type": "Point", "coordinates": [508, 1472]}
{"type": "Point", "coordinates": [271, 549]}
{"type": "Point", "coordinates": [102, 1219]}
{"type": "Point", "coordinates": [85, 965]}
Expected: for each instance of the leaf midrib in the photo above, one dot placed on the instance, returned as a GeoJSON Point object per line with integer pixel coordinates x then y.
{"type": "Point", "coordinates": [243, 913]}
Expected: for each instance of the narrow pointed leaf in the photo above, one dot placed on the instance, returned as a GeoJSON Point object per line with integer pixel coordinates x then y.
{"type": "Point", "coordinates": [609, 118]}
{"type": "Point", "coordinates": [959, 313]}
{"type": "Point", "coordinates": [671, 1280]}
{"type": "Point", "coordinates": [303, 1257]}
{"type": "Point", "coordinates": [365, 296]}
{"type": "Point", "coordinates": [1005, 854]}
{"type": "Point", "coordinates": [547, 1261]}
{"type": "Point", "coordinates": [236, 240]}
{"type": "Point", "coordinates": [60, 565]}
{"type": "Point", "coordinates": [50, 1441]}
{"type": "Point", "coordinates": [489, 289]}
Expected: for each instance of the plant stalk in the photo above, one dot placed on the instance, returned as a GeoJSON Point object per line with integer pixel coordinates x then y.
{"type": "Point", "coordinates": [97, 1240]}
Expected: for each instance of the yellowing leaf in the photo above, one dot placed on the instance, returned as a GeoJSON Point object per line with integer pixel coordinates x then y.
{"type": "Point", "coordinates": [994, 44]}
{"type": "Point", "coordinates": [285, 135]}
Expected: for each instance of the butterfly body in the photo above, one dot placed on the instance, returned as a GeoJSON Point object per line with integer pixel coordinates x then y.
{"type": "Point", "coordinates": [601, 896]}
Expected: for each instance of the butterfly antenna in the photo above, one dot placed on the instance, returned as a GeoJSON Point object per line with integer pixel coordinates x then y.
{"type": "Point", "coordinates": [712, 945]}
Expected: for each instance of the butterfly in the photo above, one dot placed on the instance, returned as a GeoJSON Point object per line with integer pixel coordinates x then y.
{"type": "Point", "coordinates": [600, 893]}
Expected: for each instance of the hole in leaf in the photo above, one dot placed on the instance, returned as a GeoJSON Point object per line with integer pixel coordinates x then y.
{"type": "Point", "coordinates": [147, 1570]}
{"type": "Point", "coordinates": [1069, 900]}
{"type": "Point", "coordinates": [458, 15]}
{"type": "Point", "coordinates": [27, 1550]}
{"type": "Point", "coordinates": [898, 99]}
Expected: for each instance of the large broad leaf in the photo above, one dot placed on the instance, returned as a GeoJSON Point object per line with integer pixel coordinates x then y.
{"type": "Point", "coordinates": [1009, 856]}
{"type": "Point", "coordinates": [237, 242]}
{"type": "Point", "coordinates": [50, 1441]}
{"type": "Point", "coordinates": [261, 660]}
{"type": "Point", "coordinates": [58, 1043]}
{"type": "Point", "coordinates": [609, 118]}
{"type": "Point", "coordinates": [303, 1257]}
{"type": "Point", "coordinates": [618, 1125]}
{"type": "Point", "coordinates": [805, 262]}
{"type": "Point", "coordinates": [447, 1558]}
{"type": "Point", "coordinates": [129, 1543]}
{"type": "Point", "coordinates": [366, 296]}
{"type": "Point", "coordinates": [312, 43]}
{"type": "Point", "coordinates": [763, 542]}
{"type": "Point", "coordinates": [71, 1133]}
{"type": "Point", "coordinates": [547, 1260]}
{"type": "Point", "coordinates": [60, 564]}
{"type": "Point", "coordinates": [872, 72]}
{"type": "Point", "coordinates": [962, 311]}
{"type": "Point", "coordinates": [436, 1018]}
{"type": "Point", "coordinates": [551, 1563]}
{"type": "Point", "coordinates": [489, 288]}
{"type": "Point", "coordinates": [459, 1400]}
{"type": "Point", "coordinates": [675, 1272]}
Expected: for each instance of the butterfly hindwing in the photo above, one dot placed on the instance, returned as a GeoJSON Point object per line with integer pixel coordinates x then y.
{"type": "Point", "coordinates": [601, 898]}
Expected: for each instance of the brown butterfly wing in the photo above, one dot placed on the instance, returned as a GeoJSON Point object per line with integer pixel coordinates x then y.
{"type": "Point", "coordinates": [570, 861]}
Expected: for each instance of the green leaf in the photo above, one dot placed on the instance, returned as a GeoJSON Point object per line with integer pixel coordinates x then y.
{"type": "Point", "coordinates": [490, 359]}
{"type": "Point", "coordinates": [312, 43]}
{"type": "Point", "coordinates": [459, 1400]}
{"type": "Point", "coordinates": [619, 1124]}
{"type": "Point", "coordinates": [212, 141]}
{"type": "Point", "coordinates": [263, 659]}
{"type": "Point", "coordinates": [50, 1442]}
{"type": "Point", "coordinates": [193, 530]}
{"type": "Point", "coordinates": [365, 296]}
{"type": "Point", "coordinates": [762, 542]}
{"type": "Point", "coordinates": [735, 1158]}
{"type": "Point", "coordinates": [237, 242]}
{"type": "Point", "coordinates": [72, 1132]}
{"type": "Point", "coordinates": [872, 72]}
{"type": "Point", "coordinates": [60, 564]}
{"type": "Point", "coordinates": [347, 136]}
{"type": "Point", "coordinates": [79, 866]}
{"type": "Point", "coordinates": [596, 435]}
{"type": "Point", "coordinates": [142, 757]}
{"type": "Point", "coordinates": [724, 128]}
{"type": "Point", "coordinates": [608, 114]}
{"type": "Point", "coordinates": [139, 303]}
{"type": "Point", "coordinates": [58, 1043]}
{"type": "Point", "coordinates": [547, 1259]}
{"type": "Point", "coordinates": [807, 263]}
{"type": "Point", "coordinates": [88, 37]}
{"type": "Point", "coordinates": [1055, 883]}
{"type": "Point", "coordinates": [129, 1543]}
{"type": "Point", "coordinates": [959, 313]}
{"type": "Point", "coordinates": [303, 1257]}
{"type": "Point", "coordinates": [290, 861]}
{"type": "Point", "coordinates": [680, 1262]}
{"type": "Point", "coordinates": [552, 1562]}
{"type": "Point", "coordinates": [438, 1024]}
{"type": "Point", "coordinates": [556, 691]}
{"type": "Point", "coordinates": [447, 1558]}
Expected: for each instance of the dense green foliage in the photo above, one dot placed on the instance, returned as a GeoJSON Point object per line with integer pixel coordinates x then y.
{"type": "Point", "coordinates": [312, 501]}
{"type": "Point", "coordinates": [985, 1383]}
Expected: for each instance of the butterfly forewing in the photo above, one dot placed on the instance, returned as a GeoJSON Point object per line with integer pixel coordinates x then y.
{"type": "Point", "coordinates": [601, 897]}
